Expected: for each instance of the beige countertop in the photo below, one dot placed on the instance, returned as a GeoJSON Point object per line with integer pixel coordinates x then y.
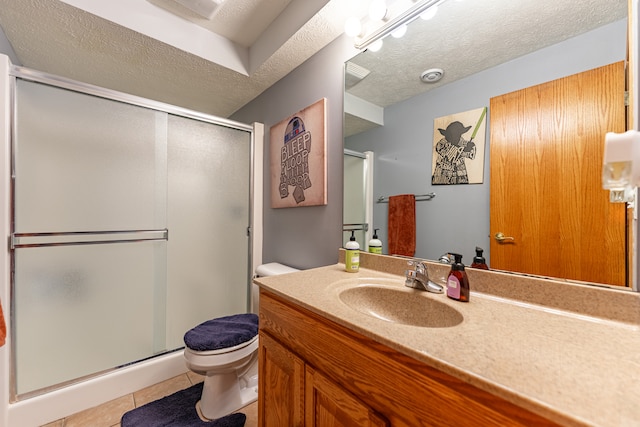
{"type": "Point", "coordinates": [572, 368]}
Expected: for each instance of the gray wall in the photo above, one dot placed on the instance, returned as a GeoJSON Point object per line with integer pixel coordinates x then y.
{"type": "Point", "coordinates": [305, 237]}
{"type": "Point", "coordinates": [457, 219]}
{"type": "Point", "coordinates": [5, 47]}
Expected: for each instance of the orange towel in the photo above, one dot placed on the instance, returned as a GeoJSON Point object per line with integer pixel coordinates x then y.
{"type": "Point", "coordinates": [3, 328]}
{"type": "Point", "coordinates": [402, 225]}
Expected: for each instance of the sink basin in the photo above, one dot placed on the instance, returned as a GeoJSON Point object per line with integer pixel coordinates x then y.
{"type": "Point", "coordinates": [399, 305]}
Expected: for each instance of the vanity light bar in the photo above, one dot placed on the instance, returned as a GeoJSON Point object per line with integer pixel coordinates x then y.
{"type": "Point", "coordinates": [404, 18]}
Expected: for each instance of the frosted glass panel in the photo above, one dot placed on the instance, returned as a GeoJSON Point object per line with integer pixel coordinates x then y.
{"type": "Point", "coordinates": [85, 163]}
{"type": "Point", "coordinates": [85, 309]}
{"type": "Point", "coordinates": [90, 172]}
{"type": "Point", "coordinates": [209, 177]}
{"type": "Point", "coordinates": [354, 197]}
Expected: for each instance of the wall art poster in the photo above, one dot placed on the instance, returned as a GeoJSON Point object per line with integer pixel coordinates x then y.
{"type": "Point", "coordinates": [298, 159]}
{"type": "Point", "coordinates": [458, 148]}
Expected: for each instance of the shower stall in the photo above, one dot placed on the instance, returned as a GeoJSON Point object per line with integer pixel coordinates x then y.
{"type": "Point", "coordinates": [131, 223]}
{"type": "Point", "coordinates": [357, 208]}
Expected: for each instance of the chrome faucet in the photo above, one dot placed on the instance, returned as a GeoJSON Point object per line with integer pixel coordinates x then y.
{"type": "Point", "coordinates": [446, 258]}
{"type": "Point", "coordinates": [419, 278]}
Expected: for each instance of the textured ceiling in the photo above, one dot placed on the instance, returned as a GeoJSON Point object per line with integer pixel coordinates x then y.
{"type": "Point", "coordinates": [54, 37]}
{"type": "Point", "coordinates": [469, 36]}
{"type": "Point", "coordinates": [111, 48]}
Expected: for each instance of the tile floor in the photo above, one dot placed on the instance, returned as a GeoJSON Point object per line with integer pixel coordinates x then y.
{"type": "Point", "coordinates": [109, 414]}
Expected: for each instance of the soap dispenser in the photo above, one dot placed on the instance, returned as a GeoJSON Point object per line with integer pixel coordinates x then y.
{"type": "Point", "coordinates": [458, 282]}
{"type": "Point", "coordinates": [479, 261]}
{"type": "Point", "coordinates": [375, 244]}
{"type": "Point", "coordinates": [352, 255]}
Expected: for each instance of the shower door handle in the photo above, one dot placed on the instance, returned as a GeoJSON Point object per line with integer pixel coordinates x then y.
{"type": "Point", "coordinates": [37, 240]}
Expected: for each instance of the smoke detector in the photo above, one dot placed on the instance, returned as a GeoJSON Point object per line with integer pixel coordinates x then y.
{"type": "Point", "coordinates": [431, 75]}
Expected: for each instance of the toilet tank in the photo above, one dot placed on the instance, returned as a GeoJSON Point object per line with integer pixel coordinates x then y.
{"type": "Point", "coordinates": [265, 270]}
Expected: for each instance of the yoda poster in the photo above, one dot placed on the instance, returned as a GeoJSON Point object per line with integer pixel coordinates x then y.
{"type": "Point", "coordinates": [298, 159]}
{"type": "Point", "coordinates": [458, 148]}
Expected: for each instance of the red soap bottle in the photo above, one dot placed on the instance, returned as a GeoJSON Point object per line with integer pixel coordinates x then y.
{"type": "Point", "coordinates": [458, 282]}
{"type": "Point", "coordinates": [479, 261]}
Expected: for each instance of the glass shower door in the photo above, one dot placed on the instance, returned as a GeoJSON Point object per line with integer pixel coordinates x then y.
{"type": "Point", "coordinates": [131, 226]}
{"type": "Point", "coordinates": [209, 200]}
{"type": "Point", "coordinates": [90, 229]}
{"type": "Point", "coordinates": [357, 203]}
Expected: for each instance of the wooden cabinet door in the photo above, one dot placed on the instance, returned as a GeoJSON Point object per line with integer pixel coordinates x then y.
{"type": "Point", "coordinates": [546, 186]}
{"type": "Point", "coordinates": [281, 385]}
{"type": "Point", "coordinates": [328, 405]}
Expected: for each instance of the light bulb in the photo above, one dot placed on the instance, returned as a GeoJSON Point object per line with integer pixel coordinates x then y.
{"type": "Point", "coordinates": [378, 10]}
{"type": "Point", "coordinates": [429, 13]}
{"type": "Point", "coordinates": [353, 27]}
{"type": "Point", "coordinates": [400, 31]}
{"type": "Point", "coordinates": [375, 46]}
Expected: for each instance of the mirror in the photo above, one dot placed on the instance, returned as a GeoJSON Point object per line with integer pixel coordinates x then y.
{"type": "Point", "coordinates": [485, 48]}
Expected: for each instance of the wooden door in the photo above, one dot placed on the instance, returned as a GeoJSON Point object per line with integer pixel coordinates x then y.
{"type": "Point", "coordinates": [632, 62]}
{"type": "Point", "coordinates": [328, 405]}
{"type": "Point", "coordinates": [546, 165]}
{"type": "Point", "coordinates": [281, 385]}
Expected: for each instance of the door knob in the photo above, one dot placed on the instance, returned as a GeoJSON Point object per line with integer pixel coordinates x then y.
{"type": "Point", "coordinates": [500, 237]}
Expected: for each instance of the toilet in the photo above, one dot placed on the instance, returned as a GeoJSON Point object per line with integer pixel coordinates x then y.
{"type": "Point", "coordinates": [225, 351]}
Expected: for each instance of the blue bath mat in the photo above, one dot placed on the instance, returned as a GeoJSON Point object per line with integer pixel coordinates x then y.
{"type": "Point", "coordinates": [177, 410]}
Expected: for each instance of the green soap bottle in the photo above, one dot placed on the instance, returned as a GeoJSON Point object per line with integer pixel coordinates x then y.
{"type": "Point", "coordinates": [375, 244]}
{"type": "Point", "coordinates": [352, 255]}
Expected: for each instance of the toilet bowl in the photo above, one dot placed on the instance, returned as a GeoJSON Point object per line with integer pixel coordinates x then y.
{"type": "Point", "coordinates": [225, 351]}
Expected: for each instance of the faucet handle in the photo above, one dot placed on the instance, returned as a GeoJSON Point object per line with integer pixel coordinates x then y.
{"type": "Point", "coordinates": [446, 258]}
{"type": "Point", "coordinates": [410, 278]}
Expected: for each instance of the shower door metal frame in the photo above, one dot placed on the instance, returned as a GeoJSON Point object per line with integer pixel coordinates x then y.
{"type": "Point", "coordinates": [367, 226]}
{"type": "Point", "coordinates": [23, 240]}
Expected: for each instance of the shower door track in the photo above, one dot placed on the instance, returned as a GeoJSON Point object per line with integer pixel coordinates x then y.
{"type": "Point", "coordinates": [89, 89]}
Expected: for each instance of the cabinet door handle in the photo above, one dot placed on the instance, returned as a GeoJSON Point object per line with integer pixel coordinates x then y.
{"type": "Point", "coordinates": [500, 237]}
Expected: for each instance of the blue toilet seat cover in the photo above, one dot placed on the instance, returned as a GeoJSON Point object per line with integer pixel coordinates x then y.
{"type": "Point", "coordinates": [222, 332]}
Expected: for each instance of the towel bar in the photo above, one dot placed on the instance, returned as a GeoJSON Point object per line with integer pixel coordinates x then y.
{"type": "Point", "coordinates": [419, 198]}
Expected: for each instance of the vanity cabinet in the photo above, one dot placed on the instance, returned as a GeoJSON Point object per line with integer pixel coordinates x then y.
{"type": "Point", "coordinates": [282, 375]}
{"type": "Point", "coordinates": [301, 396]}
{"type": "Point", "coordinates": [315, 372]}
